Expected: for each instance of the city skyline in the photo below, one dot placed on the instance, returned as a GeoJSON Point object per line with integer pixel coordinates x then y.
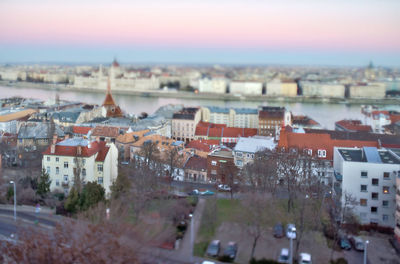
{"type": "Point", "coordinates": [234, 32]}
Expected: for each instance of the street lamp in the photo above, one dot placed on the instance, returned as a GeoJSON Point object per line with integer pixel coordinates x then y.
{"type": "Point", "coordinates": [15, 200]}
{"type": "Point", "coordinates": [365, 251]}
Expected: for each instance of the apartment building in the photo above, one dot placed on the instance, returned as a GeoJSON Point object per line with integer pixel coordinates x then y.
{"type": "Point", "coordinates": [397, 213]}
{"type": "Point", "coordinates": [369, 175]}
{"type": "Point", "coordinates": [321, 89]}
{"type": "Point", "coordinates": [271, 119]}
{"type": "Point", "coordinates": [370, 90]}
{"type": "Point", "coordinates": [217, 162]}
{"type": "Point", "coordinates": [214, 85]}
{"type": "Point", "coordinates": [95, 161]}
{"type": "Point", "coordinates": [246, 87]}
{"type": "Point", "coordinates": [231, 117]}
{"type": "Point", "coordinates": [277, 87]}
{"type": "Point", "coordinates": [184, 123]}
{"type": "Point", "coordinates": [246, 149]}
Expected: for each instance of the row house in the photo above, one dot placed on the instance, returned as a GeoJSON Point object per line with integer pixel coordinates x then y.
{"type": "Point", "coordinates": [196, 169]}
{"type": "Point", "coordinates": [184, 123]}
{"type": "Point", "coordinates": [93, 161]}
{"type": "Point", "coordinates": [369, 175]}
{"type": "Point", "coordinates": [278, 87]}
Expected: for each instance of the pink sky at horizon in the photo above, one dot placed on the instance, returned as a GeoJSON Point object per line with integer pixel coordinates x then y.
{"type": "Point", "coordinates": [238, 24]}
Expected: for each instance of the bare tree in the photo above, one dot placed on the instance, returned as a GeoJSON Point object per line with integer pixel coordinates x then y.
{"type": "Point", "coordinates": [231, 175]}
{"type": "Point", "coordinates": [172, 158]}
{"type": "Point", "coordinates": [149, 152]}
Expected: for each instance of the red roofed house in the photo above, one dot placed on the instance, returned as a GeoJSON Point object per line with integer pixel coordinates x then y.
{"type": "Point", "coordinates": [112, 108]}
{"type": "Point", "coordinates": [196, 169]}
{"type": "Point", "coordinates": [222, 133]}
{"type": "Point", "coordinates": [203, 144]}
{"type": "Point", "coordinates": [105, 133]}
{"type": "Point", "coordinates": [95, 161]}
{"type": "Point", "coordinates": [80, 131]}
{"type": "Point", "coordinates": [351, 126]}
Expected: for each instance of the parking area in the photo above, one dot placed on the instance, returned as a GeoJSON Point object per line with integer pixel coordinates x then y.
{"type": "Point", "coordinates": [269, 246]}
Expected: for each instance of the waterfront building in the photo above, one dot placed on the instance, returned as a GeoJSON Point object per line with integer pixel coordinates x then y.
{"type": "Point", "coordinates": [322, 89]}
{"type": "Point", "coordinates": [246, 87]}
{"type": "Point", "coordinates": [271, 119]}
{"type": "Point", "coordinates": [92, 161]}
{"type": "Point", "coordinates": [184, 123]}
{"type": "Point", "coordinates": [231, 117]}
{"type": "Point", "coordinates": [368, 90]}
{"type": "Point", "coordinates": [212, 85]}
{"type": "Point", "coordinates": [278, 87]}
{"type": "Point", "coordinates": [369, 175]}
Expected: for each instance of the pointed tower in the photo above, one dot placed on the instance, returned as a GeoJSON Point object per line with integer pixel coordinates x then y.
{"type": "Point", "coordinates": [112, 108]}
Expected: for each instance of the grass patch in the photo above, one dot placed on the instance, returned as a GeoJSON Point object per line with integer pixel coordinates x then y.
{"type": "Point", "coordinates": [200, 248]}
{"type": "Point", "coordinates": [226, 210]}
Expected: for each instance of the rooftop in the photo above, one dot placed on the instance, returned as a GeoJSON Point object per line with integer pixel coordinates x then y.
{"type": "Point", "coordinates": [252, 145]}
{"type": "Point", "coordinates": [368, 154]}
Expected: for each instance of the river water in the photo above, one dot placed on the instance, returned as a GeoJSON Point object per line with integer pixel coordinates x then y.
{"type": "Point", "coordinates": [324, 113]}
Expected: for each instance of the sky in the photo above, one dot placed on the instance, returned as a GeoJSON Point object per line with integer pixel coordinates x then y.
{"type": "Point", "coordinates": [298, 32]}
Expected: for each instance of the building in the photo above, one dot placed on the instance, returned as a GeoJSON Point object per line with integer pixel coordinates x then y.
{"type": "Point", "coordinates": [32, 134]}
{"type": "Point", "coordinates": [109, 104]}
{"type": "Point", "coordinates": [319, 89]}
{"type": "Point", "coordinates": [212, 85]}
{"type": "Point", "coordinates": [351, 126]}
{"type": "Point", "coordinates": [301, 122]}
{"type": "Point", "coordinates": [370, 90]}
{"type": "Point", "coordinates": [271, 119]}
{"type": "Point", "coordinates": [369, 175]}
{"type": "Point", "coordinates": [397, 213]}
{"type": "Point", "coordinates": [246, 87]}
{"type": "Point", "coordinates": [93, 161]}
{"type": "Point", "coordinates": [184, 123]}
{"type": "Point", "coordinates": [222, 133]}
{"type": "Point", "coordinates": [246, 148]}
{"type": "Point", "coordinates": [231, 117]}
{"type": "Point", "coordinates": [278, 87]}
{"type": "Point", "coordinates": [105, 133]}
{"type": "Point", "coordinates": [9, 119]}
{"type": "Point", "coordinates": [124, 141]}
{"type": "Point", "coordinates": [217, 161]}
{"type": "Point", "coordinates": [196, 169]}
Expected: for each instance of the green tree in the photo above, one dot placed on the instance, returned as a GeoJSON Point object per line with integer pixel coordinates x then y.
{"type": "Point", "coordinates": [92, 193]}
{"type": "Point", "coordinates": [43, 186]}
{"type": "Point", "coordinates": [121, 186]}
{"type": "Point", "coordinates": [73, 201]}
{"type": "Point", "coordinates": [10, 193]}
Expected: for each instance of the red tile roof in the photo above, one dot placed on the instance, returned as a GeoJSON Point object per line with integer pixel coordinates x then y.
{"type": "Point", "coordinates": [105, 131]}
{"type": "Point", "coordinates": [203, 144]}
{"type": "Point", "coordinates": [72, 151]}
{"type": "Point", "coordinates": [225, 132]}
{"type": "Point", "coordinates": [101, 156]}
{"type": "Point", "coordinates": [196, 163]}
{"type": "Point", "coordinates": [81, 130]}
{"type": "Point", "coordinates": [353, 125]}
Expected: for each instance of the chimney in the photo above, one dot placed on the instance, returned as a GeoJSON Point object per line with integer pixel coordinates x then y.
{"type": "Point", "coordinates": [53, 148]}
{"type": "Point", "coordinates": [79, 150]}
{"type": "Point", "coordinates": [55, 137]}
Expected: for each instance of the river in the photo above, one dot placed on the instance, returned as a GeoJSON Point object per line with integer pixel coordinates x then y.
{"type": "Point", "coordinates": [324, 113]}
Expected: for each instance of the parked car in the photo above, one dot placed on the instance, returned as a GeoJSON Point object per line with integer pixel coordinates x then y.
{"type": "Point", "coordinates": [231, 250]}
{"type": "Point", "coordinates": [194, 192]}
{"type": "Point", "coordinates": [206, 192]}
{"type": "Point", "coordinates": [213, 248]}
{"type": "Point", "coordinates": [305, 258]}
{"type": "Point", "coordinates": [291, 231]}
{"type": "Point", "coordinates": [284, 256]}
{"type": "Point", "coordinates": [224, 188]}
{"type": "Point", "coordinates": [344, 243]}
{"type": "Point", "coordinates": [357, 243]}
{"type": "Point", "coordinates": [278, 230]}
{"type": "Point", "coordinates": [207, 262]}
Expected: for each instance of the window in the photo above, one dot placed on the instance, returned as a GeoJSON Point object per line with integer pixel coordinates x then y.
{"type": "Point", "coordinates": [214, 172]}
{"type": "Point", "coordinates": [385, 218]}
{"type": "Point", "coordinates": [363, 188]}
{"type": "Point", "coordinates": [374, 196]}
{"type": "Point", "coordinates": [238, 154]}
{"type": "Point", "coordinates": [364, 174]}
{"type": "Point", "coordinates": [65, 178]}
{"type": "Point", "coordinates": [99, 167]}
{"type": "Point", "coordinates": [321, 153]}
{"type": "Point", "coordinates": [239, 163]}
{"type": "Point", "coordinates": [100, 180]}
{"type": "Point", "coordinates": [57, 182]}
{"type": "Point", "coordinates": [252, 156]}
{"type": "Point", "coordinates": [83, 162]}
{"type": "Point", "coordinates": [83, 172]}
{"type": "Point", "coordinates": [385, 189]}
{"type": "Point", "coordinates": [213, 162]}
{"type": "Point", "coordinates": [309, 151]}
{"type": "Point", "coordinates": [363, 202]}
{"type": "Point", "coordinates": [375, 182]}
{"type": "Point", "coordinates": [57, 170]}
{"type": "Point", "coordinates": [48, 158]}
{"type": "Point", "coordinates": [386, 175]}
{"type": "Point", "coordinates": [66, 165]}
{"type": "Point", "coordinates": [385, 203]}
{"type": "Point", "coordinates": [48, 170]}
{"type": "Point", "coordinates": [57, 159]}
{"type": "Point", "coordinates": [374, 209]}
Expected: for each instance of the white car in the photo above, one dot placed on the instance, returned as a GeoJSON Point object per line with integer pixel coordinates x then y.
{"type": "Point", "coordinates": [284, 256]}
{"type": "Point", "coordinates": [224, 187]}
{"type": "Point", "coordinates": [291, 231]}
{"type": "Point", "coordinates": [305, 258]}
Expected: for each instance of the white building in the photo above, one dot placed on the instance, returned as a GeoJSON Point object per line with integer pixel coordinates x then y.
{"type": "Point", "coordinates": [246, 148]}
{"type": "Point", "coordinates": [369, 176]}
{"type": "Point", "coordinates": [319, 89]}
{"type": "Point", "coordinates": [231, 117]}
{"type": "Point", "coordinates": [96, 161]}
{"type": "Point", "coordinates": [246, 87]}
{"type": "Point", "coordinates": [215, 85]}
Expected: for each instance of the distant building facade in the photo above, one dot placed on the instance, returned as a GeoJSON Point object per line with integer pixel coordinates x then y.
{"type": "Point", "coordinates": [246, 87]}
{"type": "Point", "coordinates": [184, 123]}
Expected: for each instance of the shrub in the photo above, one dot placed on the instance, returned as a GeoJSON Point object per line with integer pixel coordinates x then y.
{"type": "Point", "coordinates": [339, 261]}
{"type": "Point", "coordinates": [263, 261]}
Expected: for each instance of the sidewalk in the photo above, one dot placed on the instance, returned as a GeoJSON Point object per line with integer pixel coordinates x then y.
{"type": "Point", "coordinates": [28, 208]}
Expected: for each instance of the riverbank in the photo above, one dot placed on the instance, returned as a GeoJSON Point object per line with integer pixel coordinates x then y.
{"type": "Point", "coordinates": [207, 96]}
